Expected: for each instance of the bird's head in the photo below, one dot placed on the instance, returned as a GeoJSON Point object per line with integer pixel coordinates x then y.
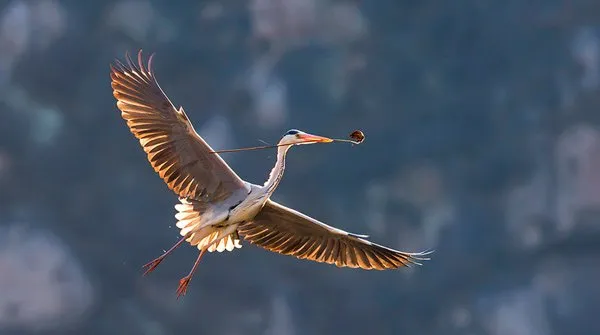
{"type": "Point", "coordinates": [297, 137]}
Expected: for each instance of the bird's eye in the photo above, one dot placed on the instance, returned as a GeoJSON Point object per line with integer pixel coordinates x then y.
{"type": "Point", "coordinates": [292, 132]}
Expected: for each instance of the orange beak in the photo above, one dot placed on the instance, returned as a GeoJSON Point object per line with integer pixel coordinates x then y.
{"type": "Point", "coordinates": [314, 138]}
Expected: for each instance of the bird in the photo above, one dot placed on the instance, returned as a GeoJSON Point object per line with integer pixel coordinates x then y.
{"type": "Point", "coordinates": [216, 208]}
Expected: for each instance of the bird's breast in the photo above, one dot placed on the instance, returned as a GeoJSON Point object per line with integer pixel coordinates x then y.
{"type": "Point", "coordinates": [247, 209]}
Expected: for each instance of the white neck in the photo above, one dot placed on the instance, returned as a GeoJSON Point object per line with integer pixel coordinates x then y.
{"type": "Point", "coordinates": [277, 172]}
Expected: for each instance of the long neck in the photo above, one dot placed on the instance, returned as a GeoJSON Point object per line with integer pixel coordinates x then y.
{"type": "Point", "coordinates": [277, 172]}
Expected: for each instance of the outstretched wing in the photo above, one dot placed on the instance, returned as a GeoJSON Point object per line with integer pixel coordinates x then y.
{"type": "Point", "coordinates": [176, 152]}
{"type": "Point", "coordinates": [286, 231]}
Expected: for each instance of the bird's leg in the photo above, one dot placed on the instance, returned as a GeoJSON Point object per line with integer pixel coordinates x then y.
{"type": "Point", "coordinates": [185, 281]}
{"type": "Point", "coordinates": [154, 263]}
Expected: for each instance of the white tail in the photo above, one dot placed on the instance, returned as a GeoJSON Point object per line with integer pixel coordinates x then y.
{"type": "Point", "coordinates": [190, 220]}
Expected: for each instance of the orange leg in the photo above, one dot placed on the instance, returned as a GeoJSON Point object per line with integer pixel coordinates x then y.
{"type": "Point", "coordinates": [185, 281]}
{"type": "Point", "coordinates": [153, 264]}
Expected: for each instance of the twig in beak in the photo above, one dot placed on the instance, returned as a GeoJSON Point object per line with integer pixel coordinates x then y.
{"type": "Point", "coordinates": [357, 138]}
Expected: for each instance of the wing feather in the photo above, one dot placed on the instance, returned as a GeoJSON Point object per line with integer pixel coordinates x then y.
{"type": "Point", "coordinates": [176, 152]}
{"type": "Point", "coordinates": [286, 231]}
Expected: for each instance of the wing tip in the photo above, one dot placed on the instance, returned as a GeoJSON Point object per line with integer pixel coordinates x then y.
{"type": "Point", "coordinates": [118, 67]}
{"type": "Point", "coordinates": [415, 258]}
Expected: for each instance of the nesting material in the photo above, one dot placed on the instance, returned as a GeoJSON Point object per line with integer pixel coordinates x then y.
{"type": "Point", "coordinates": [357, 136]}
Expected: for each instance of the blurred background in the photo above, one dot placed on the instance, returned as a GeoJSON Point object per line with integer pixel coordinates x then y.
{"type": "Point", "coordinates": [482, 142]}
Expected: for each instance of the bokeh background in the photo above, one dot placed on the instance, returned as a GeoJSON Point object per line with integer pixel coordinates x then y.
{"type": "Point", "coordinates": [481, 120]}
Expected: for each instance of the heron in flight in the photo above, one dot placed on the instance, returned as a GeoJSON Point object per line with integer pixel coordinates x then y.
{"type": "Point", "coordinates": [216, 206]}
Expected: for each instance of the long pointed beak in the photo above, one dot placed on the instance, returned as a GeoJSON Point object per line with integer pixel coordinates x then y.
{"type": "Point", "coordinates": [314, 138]}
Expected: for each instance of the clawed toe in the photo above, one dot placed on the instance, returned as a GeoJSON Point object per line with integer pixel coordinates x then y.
{"type": "Point", "coordinates": [183, 285]}
{"type": "Point", "coordinates": [152, 265]}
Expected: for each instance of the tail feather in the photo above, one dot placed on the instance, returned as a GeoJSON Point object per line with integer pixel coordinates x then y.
{"type": "Point", "coordinates": [189, 215]}
{"type": "Point", "coordinates": [190, 220]}
{"type": "Point", "coordinates": [228, 243]}
{"type": "Point", "coordinates": [215, 240]}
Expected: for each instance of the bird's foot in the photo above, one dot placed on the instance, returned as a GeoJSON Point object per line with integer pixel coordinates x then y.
{"type": "Point", "coordinates": [152, 265]}
{"type": "Point", "coordinates": [183, 285]}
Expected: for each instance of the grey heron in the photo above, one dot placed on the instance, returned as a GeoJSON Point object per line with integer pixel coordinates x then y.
{"type": "Point", "coordinates": [216, 206]}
